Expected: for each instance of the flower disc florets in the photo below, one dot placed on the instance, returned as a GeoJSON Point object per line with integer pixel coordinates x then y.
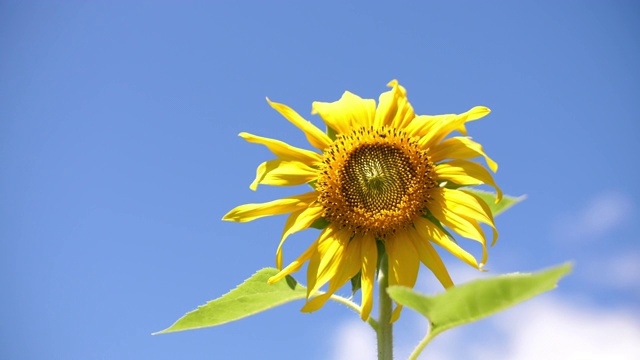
{"type": "Point", "coordinates": [375, 181]}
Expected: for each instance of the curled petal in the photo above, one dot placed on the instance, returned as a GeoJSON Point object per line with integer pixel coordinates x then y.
{"type": "Point", "coordinates": [393, 107]}
{"type": "Point", "coordinates": [460, 148]}
{"type": "Point", "coordinates": [332, 250]}
{"type": "Point", "coordinates": [470, 206]}
{"type": "Point", "coordinates": [467, 173]}
{"type": "Point", "coordinates": [348, 268]}
{"type": "Point", "coordinates": [458, 221]}
{"type": "Point", "coordinates": [435, 129]}
{"type": "Point", "coordinates": [428, 230]}
{"type": "Point", "coordinates": [297, 221]}
{"type": "Point", "coordinates": [295, 265]}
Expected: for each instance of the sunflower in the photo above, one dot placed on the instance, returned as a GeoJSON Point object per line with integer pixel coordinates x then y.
{"type": "Point", "coordinates": [379, 175]}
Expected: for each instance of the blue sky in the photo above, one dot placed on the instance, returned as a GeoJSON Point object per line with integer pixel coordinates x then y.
{"type": "Point", "coordinates": [119, 154]}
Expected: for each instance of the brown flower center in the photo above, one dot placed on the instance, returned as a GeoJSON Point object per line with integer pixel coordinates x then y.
{"type": "Point", "coordinates": [375, 181]}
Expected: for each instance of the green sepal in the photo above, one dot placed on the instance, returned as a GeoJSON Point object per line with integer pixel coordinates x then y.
{"type": "Point", "coordinates": [249, 298]}
{"type": "Point", "coordinates": [331, 133]}
{"type": "Point", "coordinates": [381, 252]}
{"type": "Point", "coordinates": [356, 283]}
{"type": "Point", "coordinates": [477, 299]}
{"type": "Point", "coordinates": [320, 224]}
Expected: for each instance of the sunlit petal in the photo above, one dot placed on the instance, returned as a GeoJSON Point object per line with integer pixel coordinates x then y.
{"type": "Point", "coordinates": [249, 212]}
{"type": "Point", "coordinates": [283, 173]}
{"type": "Point", "coordinates": [342, 115]}
{"type": "Point", "coordinates": [297, 221]}
{"type": "Point", "coordinates": [466, 173]}
{"type": "Point", "coordinates": [315, 136]}
{"type": "Point", "coordinates": [460, 148]}
{"type": "Point", "coordinates": [283, 150]}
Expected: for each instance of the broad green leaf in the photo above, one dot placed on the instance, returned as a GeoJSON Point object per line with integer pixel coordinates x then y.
{"type": "Point", "coordinates": [490, 198]}
{"type": "Point", "coordinates": [251, 297]}
{"type": "Point", "coordinates": [477, 299]}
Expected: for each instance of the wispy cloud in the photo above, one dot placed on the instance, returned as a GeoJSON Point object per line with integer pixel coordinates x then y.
{"type": "Point", "coordinates": [601, 214]}
{"type": "Point", "coordinates": [619, 271]}
{"type": "Point", "coordinates": [561, 329]}
{"type": "Point", "coordinates": [354, 340]}
{"type": "Point", "coordinates": [548, 328]}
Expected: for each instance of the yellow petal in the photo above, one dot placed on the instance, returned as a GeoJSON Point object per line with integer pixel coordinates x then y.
{"type": "Point", "coordinates": [332, 253]}
{"type": "Point", "coordinates": [295, 265]}
{"type": "Point", "coordinates": [460, 148]}
{"type": "Point", "coordinates": [349, 266]}
{"type": "Point", "coordinates": [316, 303]}
{"type": "Point", "coordinates": [424, 124]}
{"type": "Point", "coordinates": [283, 173]}
{"type": "Point", "coordinates": [395, 315]}
{"type": "Point", "coordinates": [316, 137]}
{"type": "Point", "coordinates": [297, 221]}
{"type": "Point", "coordinates": [404, 264]}
{"type": "Point", "coordinates": [440, 126]}
{"type": "Point", "coordinates": [393, 107]}
{"type": "Point", "coordinates": [369, 253]}
{"type": "Point", "coordinates": [465, 173]}
{"type": "Point", "coordinates": [430, 258]}
{"type": "Point", "coordinates": [249, 212]}
{"type": "Point", "coordinates": [428, 230]}
{"type": "Point", "coordinates": [283, 150]}
{"type": "Point", "coordinates": [314, 262]}
{"type": "Point", "coordinates": [351, 110]}
{"type": "Point", "coordinates": [458, 222]}
{"type": "Point", "coordinates": [471, 206]}
{"type": "Point", "coordinates": [312, 272]}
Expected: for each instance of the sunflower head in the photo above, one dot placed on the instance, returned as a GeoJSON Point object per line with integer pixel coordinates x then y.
{"type": "Point", "coordinates": [385, 175]}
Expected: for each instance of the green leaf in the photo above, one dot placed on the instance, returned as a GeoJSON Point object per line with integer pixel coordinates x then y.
{"type": "Point", "coordinates": [490, 198]}
{"type": "Point", "coordinates": [252, 297]}
{"type": "Point", "coordinates": [477, 299]}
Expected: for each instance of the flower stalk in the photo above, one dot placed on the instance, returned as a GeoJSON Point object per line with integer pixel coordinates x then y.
{"type": "Point", "coordinates": [385, 326]}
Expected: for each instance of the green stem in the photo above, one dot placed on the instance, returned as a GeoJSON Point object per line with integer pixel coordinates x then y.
{"type": "Point", "coordinates": [385, 328]}
{"type": "Point", "coordinates": [421, 346]}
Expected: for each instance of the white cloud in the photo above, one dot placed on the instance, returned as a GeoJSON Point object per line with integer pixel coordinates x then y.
{"type": "Point", "coordinates": [544, 329]}
{"type": "Point", "coordinates": [620, 271]}
{"type": "Point", "coordinates": [554, 329]}
{"type": "Point", "coordinates": [601, 214]}
{"type": "Point", "coordinates": [354, 340]}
